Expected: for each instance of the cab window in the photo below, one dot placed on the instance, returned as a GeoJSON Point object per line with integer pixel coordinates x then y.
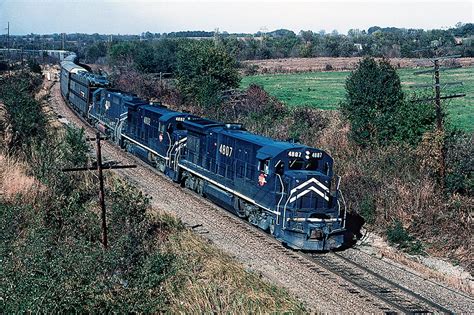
{"type": "Point", "coordinates": [263, 166]}
{"type": "Point", "coordinates": [296, 164]}
{"type": "Point", "coordinates": [161, 127]}
{"type": "Point", "coordinates": [326, 168]}
{"type": "Point", "coordinates": [312, 165]}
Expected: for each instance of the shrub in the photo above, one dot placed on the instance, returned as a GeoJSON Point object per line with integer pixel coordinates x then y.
{"type": "Point", "coordinates": [34, 66]}
{"type": "Point", "coordinates": [460, 163]}
{"type": "Point", "coordinates": [25, 114]}
{"type": "Point", "coordinates": [367, 209]}
{"type": "Point", "coordinates": [397, 234]}
{"type": "Point", "coordinates": [373, 95]}
{"type": "Point", "coordinates": [250, 69]}
{"type": "Point", "coordinates": [306, 123]}
{"type": "Point", "coordinates": [261, 113]}
{"type": "Point", "coordinates": [74, 147]}
{"type": "Point", "coordinates": [414, 119]}
{"type": "Point", "coordinates": [3, 66]}
{"type": "Point", "coordinates": [204, 71]}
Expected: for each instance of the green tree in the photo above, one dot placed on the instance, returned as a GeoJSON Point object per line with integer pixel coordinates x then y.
{"type": "Point", "coordinates": [204, 71]}
{"type": "Point", "coordinates": [373, 97]}
{"type": "Point", "coordinates": [414, 118]}
{"type": "Point", "coordinates": [95, 51]}
{"type": "Point", "coordinates": [122, 53]}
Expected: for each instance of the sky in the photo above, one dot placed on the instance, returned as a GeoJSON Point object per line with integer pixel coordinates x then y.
{"type": "Point", "coordinates": [248, 16]}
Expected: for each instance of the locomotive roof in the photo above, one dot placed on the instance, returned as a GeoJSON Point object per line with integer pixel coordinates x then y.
{"type": "Point", "coordinates": [269, 147]}
{"type": "Point", "coordinates": [72, 57]}
{"type": "Point", "coordinates": [159, 109]}
{"type": "Point", "coordinates": [165, 113]}
{"type": "Point", "coordinates": [127, 97]}
{"type": "Point", "coordinates": [202, 124]}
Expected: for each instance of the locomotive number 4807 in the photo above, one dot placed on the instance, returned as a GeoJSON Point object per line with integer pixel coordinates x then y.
{"type": "Point", "coordinates": [225, 150]}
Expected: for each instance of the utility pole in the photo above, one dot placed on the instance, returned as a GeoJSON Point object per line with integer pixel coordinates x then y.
{"type": "Point", "coordinates": [8, 40]}
{"type": "Point", "coordinates": [101, 190]}
{"type": "Point", "coordinates": [439, 110]}
{"type": "Point", "coordinates": [439, 116]}
{"type": "Point", "coordinates": [439, 120]}
{"type": "Point", "coordinates": [99, 168]}
{"type": "Point", "coordinates": [22, 60]}
{"type": "Point", "coordinates": [8, 48]}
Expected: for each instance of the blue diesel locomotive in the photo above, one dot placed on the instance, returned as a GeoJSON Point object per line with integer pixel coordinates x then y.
{"type": "Point", "coordinates": [285, 188]}
{"type": "Point", "coordinates": [281, 187]}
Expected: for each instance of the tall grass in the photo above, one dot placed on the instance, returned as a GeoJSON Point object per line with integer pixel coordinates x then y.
{"type": "Point", "coordinates": [212, 282]}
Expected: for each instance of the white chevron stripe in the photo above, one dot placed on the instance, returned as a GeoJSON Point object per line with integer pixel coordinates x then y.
{"type": "Point", "coordinates": [309, 181]}
{"type": "Point", "coordinates": [307, 191]}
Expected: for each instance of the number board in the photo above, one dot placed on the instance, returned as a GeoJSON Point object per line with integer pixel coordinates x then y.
{"type": "Point", "coordinates": [225, 150]}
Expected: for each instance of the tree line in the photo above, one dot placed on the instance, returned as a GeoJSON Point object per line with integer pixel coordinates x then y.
{"type": "Point", "coordinates": [375, 42]}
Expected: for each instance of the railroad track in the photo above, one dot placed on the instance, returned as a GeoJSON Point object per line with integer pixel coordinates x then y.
{"type": "Point", "coordinates": [384, 294]}
{"type": "Point", "coordinates": [399, 298]}
{"type": "Point", "coordinates": [363, 282]}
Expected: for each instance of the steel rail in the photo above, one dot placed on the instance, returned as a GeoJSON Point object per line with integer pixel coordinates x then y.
{"type": "Point", "coordinates": [382, 292]}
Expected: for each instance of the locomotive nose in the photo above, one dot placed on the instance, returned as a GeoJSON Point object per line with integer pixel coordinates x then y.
{"type": "Point", "coordinates": [310, 192]}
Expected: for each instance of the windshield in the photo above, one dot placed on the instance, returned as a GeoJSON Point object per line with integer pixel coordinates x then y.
{"type": "Point", "coordinates": [301, 164]}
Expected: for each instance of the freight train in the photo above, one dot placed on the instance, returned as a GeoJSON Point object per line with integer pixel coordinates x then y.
{"type": "Point", "coordinates": [285, 188]}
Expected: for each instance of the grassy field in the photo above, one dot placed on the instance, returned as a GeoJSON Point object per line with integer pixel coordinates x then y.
{"type": "Point", "coordinates": [326, 89]}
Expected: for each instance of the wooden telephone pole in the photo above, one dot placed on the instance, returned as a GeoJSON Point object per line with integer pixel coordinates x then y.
{"type": "Point", "coordinates": [99, 168]}
{"type": "Point", "coordinates": [437, 99]}
{"type": "Point", "coordinates": [8, 40]}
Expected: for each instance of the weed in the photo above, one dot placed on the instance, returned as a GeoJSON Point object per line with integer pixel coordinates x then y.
{"type": "Point", "coordinates": [397, 234]}
{"type": "Point", "coordinates": [367, 210]}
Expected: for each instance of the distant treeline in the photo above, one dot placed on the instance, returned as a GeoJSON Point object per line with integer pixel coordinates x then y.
{"type": "Point", "coordinates": [375, 42]}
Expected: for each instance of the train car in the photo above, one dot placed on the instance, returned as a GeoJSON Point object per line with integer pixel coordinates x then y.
{"type": "Point", "coordinates": [279, 186]}
{"type": "Point", "coordinates": [156, 134]}
{"type": "Point", "coordinates": [77, 85]}
{"type": "Point", "coordinates": [82, 86]}
{"type": "Point", "coordinates": [68, 67]}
